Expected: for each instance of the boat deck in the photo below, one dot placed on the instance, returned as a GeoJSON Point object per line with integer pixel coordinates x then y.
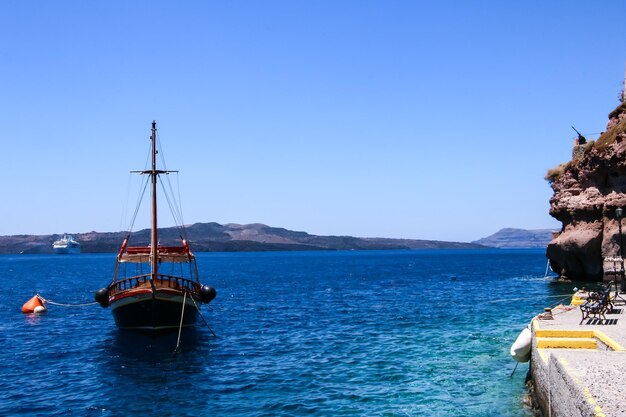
{"type": "Point", "coordinates": [580, 369]}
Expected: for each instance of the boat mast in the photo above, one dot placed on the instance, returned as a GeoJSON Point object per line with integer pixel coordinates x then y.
{"type": "Point", "coordinates": [154, 253]}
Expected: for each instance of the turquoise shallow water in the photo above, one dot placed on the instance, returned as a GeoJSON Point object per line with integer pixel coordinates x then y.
{"type": "Point", "coordinates": [390, 333]}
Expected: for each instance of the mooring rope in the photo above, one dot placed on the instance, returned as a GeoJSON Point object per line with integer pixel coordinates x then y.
{"type": "Point", "coordinates": [202, 317]}
{"type": "Point", "coordinates": [64, 304]}
{"type": "Point", "coordinates": [528, 298]}
{"type": "Point", "coordinates": [182, 315]}
{"type": "Point", "coordinates": [565, 308]}
{"type": "Point", "coordinates": [547, 268]}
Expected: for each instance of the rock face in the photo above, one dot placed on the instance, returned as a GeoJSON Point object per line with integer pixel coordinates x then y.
{"type": "Point", "coordinates": [587, 190]}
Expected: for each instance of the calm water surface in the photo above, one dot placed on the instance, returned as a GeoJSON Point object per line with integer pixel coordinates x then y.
{"type": "Point", "coordinates": [389, 333]}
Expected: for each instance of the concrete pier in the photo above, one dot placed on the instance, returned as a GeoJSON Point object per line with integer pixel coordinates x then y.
{"type": "Point", "coordinates": [580, 369]}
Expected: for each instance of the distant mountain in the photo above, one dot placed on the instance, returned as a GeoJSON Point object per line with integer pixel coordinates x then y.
{"type": "Point", "coordinates": [517, 238]}
{"type": "Point", "coordinates": [214, 237]}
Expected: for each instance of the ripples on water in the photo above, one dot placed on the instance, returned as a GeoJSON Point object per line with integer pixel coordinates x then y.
{"type": "Point", "coordinates": [398, 333]}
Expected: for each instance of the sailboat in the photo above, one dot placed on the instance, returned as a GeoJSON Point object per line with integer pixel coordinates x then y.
{"type": "Point", "coordinates": [155, 288]}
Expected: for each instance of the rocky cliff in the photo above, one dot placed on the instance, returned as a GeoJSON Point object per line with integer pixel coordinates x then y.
{"type": "Point", "coordinates": [587, 191]}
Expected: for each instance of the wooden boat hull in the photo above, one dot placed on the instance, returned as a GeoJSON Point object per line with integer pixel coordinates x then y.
{"type": "Point", "coordinates": [141, 310]}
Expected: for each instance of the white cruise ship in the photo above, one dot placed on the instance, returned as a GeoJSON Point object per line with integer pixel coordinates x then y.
{"type": "Point", "coordinates": [66, 244]}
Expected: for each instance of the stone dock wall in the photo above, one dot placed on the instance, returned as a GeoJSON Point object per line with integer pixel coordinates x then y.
{"type": "Point", "coordinates": [579, 369]}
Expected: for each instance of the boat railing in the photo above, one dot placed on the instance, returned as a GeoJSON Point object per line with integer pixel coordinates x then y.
{"type": "Point", "coordinates": [163, 281]}
{"type": "Point", "coordinates": [137, 250]}
{"type": "Point", "coordinates": [179, 282]}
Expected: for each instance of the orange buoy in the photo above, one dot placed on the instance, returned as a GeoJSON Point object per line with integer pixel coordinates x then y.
{"type": "Point", "coordinates": [34, 305]}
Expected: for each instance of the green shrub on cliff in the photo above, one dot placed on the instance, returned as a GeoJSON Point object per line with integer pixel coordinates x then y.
{"type": "Point", "coordinates": [555, 173]}
{"type": "Point", "coordinates": [610, 135]}
{"type": "Point", "coordinates": [607, 138]}
{"type": "Point", "coordinates": [618, 110]}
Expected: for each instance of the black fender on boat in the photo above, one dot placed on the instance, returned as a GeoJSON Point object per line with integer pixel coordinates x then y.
{"type": "Point", "coordinates": [102, 297]}
{"type": "Point", "coordinates": [207, 294]}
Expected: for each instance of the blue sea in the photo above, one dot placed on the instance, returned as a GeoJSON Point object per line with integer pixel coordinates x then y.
{"type": "Point", "coordinates": [358, 333]}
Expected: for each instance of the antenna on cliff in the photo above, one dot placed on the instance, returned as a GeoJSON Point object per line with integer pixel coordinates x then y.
{"type": "Point", "coordinates": [581, 139]}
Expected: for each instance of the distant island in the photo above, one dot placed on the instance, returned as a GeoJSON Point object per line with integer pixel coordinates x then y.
{"type": "Point", "coordinates": [517, 238]}
{"type": "Point", "coordinates": [214, 237]}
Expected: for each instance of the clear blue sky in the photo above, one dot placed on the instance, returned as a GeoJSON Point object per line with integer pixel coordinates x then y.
{"type": "Point", "coordinates": [410, 119]}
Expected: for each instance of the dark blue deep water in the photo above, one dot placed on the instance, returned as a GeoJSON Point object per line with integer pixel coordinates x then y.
{"type": "Point", "coordinates": [389, 333]}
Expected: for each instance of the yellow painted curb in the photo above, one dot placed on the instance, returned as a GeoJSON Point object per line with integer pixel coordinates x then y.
{"type": "Point", "coordinates": [574, 334]}
{"type": "Point", "coordinates": [566, 343]}
{"type": "Point", "coordinates": [564, 333]}
{"type": "Point", "coordinates": [608, 341]}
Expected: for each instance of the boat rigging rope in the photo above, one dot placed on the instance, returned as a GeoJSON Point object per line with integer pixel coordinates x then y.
{"type": "Point", "coordinates": [173, 203]}
{"type": "Point", "coordinates": [179, 201]}
{"type": "Point", "coordinates": [174, 209]}
{"type": "Point", "coordinates": [65, 305]}
{"type": "Point", "coordinates": [123, 218]}
{"type": "Point", "coordinates": [139, 200]}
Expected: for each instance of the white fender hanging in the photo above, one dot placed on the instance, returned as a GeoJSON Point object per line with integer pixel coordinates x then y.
{"type": "Point", "coordinates": [520, 350]}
